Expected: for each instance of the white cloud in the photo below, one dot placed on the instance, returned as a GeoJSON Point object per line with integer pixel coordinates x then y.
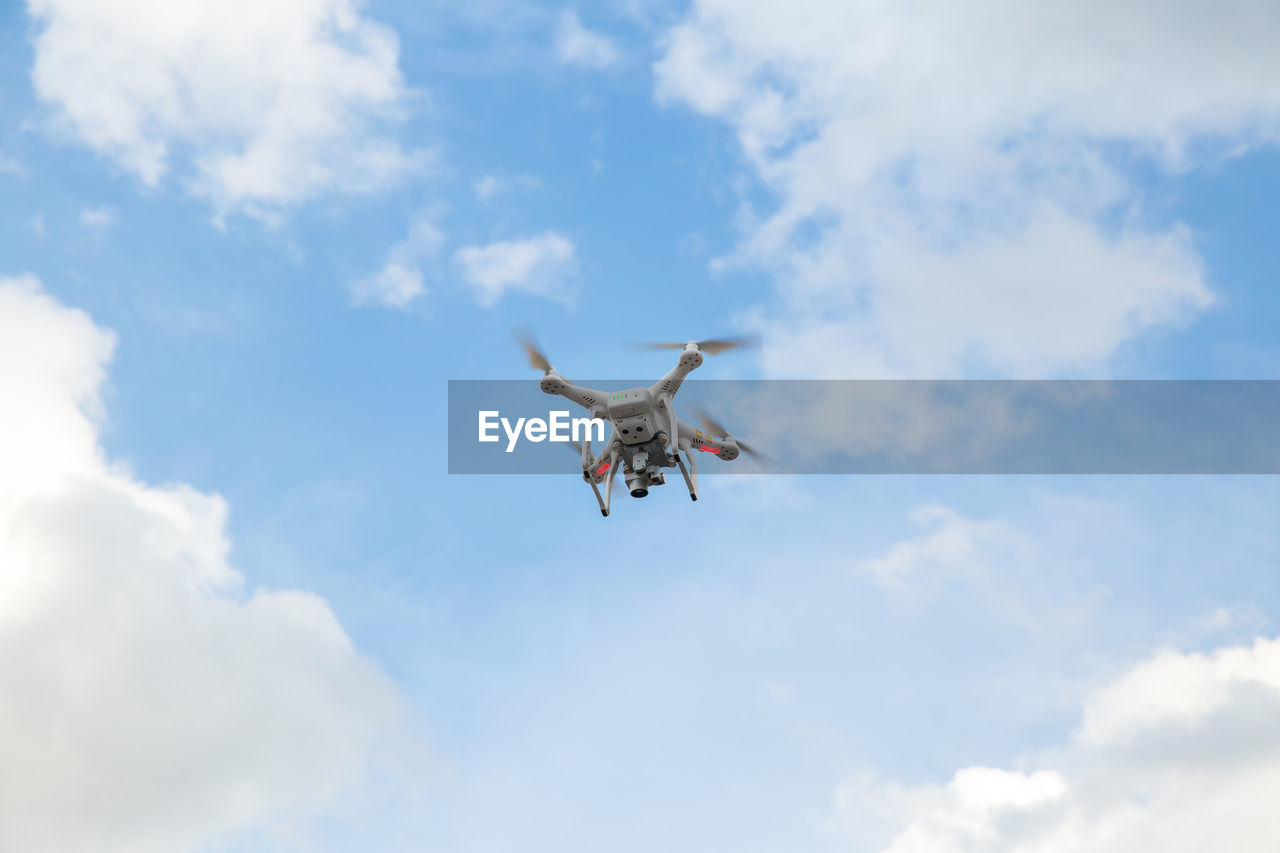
{"type": "Point", "coordinates": [11, 166]}
{"type": "Point", "coordinates": [152, 701]}
{"type": "Point", "coordinates": [1178, 755]}
{"type": "Point", "coordinates": [271, 103]}
{"type": "Point", "coordinates": [947, 199]}
{"type": "Point", "coordinates": [400, 281]}
{"type": "Point", "coordinates": [951, 544]}
{"type": "Point", "coordinates": [99, 218]}
{"type": "Point", "coordinates": [1236, 619]}
{"type": "Point", "coordinates": [1056, 295]}
{"type": "Point", "coordinates": [577, 45]}
{"type": "Point", "coordinates": [395, 286]}
{"type": "Point", "coordinates": [489, 186]}
{"type": "Point", "coordinates": [538, 265]}
{"type": "Point", "coordinates": [759, 492]}
{"type": "Point", "coordinates": [1019, 581]}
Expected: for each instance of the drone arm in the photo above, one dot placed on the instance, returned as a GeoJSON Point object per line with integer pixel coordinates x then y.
{"type": "Point", "coordinates": [690, 360]}
{"type": "Point", "coordinates": [726, 449]}
{"type": "Point", "coordinates": [588, 398]}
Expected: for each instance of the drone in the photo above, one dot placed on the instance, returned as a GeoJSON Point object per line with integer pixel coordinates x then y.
{"type": "Point", "coordinates": [647, 435]}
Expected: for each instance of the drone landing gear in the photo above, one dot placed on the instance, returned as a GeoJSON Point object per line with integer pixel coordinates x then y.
{"type": "Point", "coordinates": [673, 437]}
{"type": "Point", "coordinates": [604, 507]}
{"type": "Point", "coordinates": [608, 486]}
{"type": "Point", "coordinates": [690, 474]}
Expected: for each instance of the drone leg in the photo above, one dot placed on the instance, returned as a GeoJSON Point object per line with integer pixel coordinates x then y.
{"type": "Point", "coordinates": [690, 481]}
{"type": "Point", "coordinates": [693, 470]}
{"type": "Point", "coordinates": [673, 442]}
{"type": "Point", "coordinates": [608, 486]}
{"type": "Point", "coordinates": [604, 508]}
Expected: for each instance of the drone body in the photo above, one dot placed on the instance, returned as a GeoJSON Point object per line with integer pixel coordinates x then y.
{"type": "Point", "coordinates": [647, 435]}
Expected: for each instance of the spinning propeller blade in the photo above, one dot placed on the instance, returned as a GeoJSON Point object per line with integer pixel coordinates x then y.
{"type": "Point", "coordinates": [713, 427]}
{"type": "Point", "coordinates": [710, 347]}
{"type": "Point", "coordinates": [537, 360]}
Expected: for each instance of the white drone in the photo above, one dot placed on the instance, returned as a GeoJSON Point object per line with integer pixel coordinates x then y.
{"type": "Point", "coordinates": [647, 436]}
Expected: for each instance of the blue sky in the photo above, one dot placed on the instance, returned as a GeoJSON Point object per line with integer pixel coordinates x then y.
{"type": "Point", "coordinates": [353, 205]}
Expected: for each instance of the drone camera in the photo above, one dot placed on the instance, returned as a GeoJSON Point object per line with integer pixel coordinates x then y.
{"type": "Point", "coordinates": [638, 483]}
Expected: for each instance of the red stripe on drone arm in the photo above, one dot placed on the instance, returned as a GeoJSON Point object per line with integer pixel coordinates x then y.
{"type": "Point", "coordinates": [706, 448]}
{"type": "Point", "coordinates": [602, 469]}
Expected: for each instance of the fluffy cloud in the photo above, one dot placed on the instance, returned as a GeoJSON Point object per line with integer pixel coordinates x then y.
{"type": "Point", "coordinates": [271, 103]}
{"type": "Point", "coordinates": [490, 186]}
{"type": "Point", "coordinates": [1178, 754]}
{"type": "Point", "coordinates": [577, 45]}
{"type": "Point", "coordinates": [537, 264]}
{"type": "Point", "coordinates": [952, 542]}
{"type": "Point", "coordinates": [400, 281]}
{"type": "Point", "coordinates": [99, 218]}
{"type": "Point", "coordinates": [948, 190]}
{"type": "Point", "coordinates": [152, 702]}
{"type": "Point", "coordinates": [11, 166]}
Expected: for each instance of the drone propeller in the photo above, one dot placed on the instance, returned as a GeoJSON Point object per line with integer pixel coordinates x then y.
{"type": "Point", "coordinates": [710, 347]}
{"type": "Point", "coordinates": [715, 428]}
{"type": "Point", "coordinates": [711, 425]}
{"type": "Point", "coordinates": [537, 359]}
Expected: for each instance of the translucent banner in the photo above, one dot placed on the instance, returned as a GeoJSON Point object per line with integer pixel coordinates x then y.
{"type": "Point", "coordinates": [898, 427]}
